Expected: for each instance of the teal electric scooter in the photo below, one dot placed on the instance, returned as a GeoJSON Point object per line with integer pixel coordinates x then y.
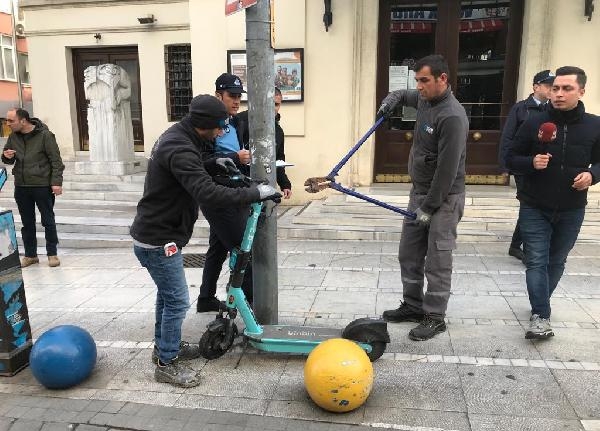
{"type": "Point", "coordinates": [370, 334]}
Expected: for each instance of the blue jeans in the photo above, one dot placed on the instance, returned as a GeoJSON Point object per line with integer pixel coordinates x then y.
{"type": "Point", "coordinates": [548, 237]}
{"type": "Point", "coordinates": [172, 298]}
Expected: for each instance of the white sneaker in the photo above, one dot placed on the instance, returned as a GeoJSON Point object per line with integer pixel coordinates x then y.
{"type": "Point", "coordinates": [539, 328]}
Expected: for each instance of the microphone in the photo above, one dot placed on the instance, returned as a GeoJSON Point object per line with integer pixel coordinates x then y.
{"type": "Point", "coordinates": [546, 134]}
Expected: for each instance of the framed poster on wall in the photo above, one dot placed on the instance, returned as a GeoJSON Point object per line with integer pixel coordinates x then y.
{"type": "Point", "coordinates": [289, 71]}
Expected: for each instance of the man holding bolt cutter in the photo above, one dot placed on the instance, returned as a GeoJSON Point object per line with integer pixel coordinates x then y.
{"type": "Point", "coordinates": [437, 169]}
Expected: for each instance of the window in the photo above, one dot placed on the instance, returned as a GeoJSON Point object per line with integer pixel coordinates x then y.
{"type": "Point", "coordinates": [24, 67]}
{"type": "Point", "coordinates": [178, 76]}
{"type": "Point", "coordinates": [7, 65]}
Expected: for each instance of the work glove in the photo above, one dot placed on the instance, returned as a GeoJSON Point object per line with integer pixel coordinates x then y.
{"type": "Point", "coordinates": [227, 165]}
{"type": "Point", "coordinates": [388, 104]}
{"type": "Point", "coordinates": [422, 219]}
{"type": "Point", "coordinates": [267, 192]}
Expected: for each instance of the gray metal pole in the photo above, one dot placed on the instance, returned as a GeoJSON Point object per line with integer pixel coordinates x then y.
{"type": "Point", "coordinates": [261, 117]}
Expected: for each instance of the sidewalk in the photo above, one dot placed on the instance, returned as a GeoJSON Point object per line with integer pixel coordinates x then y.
{"type": "Point", "coordinates": [479, 375]}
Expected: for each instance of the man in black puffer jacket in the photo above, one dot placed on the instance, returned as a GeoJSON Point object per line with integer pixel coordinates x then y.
{"type": "Point", "coordinates": [178, 180]}
{"type": "Point", "coordinates": [559, 153]}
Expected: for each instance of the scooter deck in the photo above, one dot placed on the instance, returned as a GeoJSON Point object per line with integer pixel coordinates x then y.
{"type": "Point", "coordinates": [291, 339]}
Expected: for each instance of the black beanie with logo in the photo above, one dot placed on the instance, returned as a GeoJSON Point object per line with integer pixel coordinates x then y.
{"type": "Point", "coordinates": [208, 112]}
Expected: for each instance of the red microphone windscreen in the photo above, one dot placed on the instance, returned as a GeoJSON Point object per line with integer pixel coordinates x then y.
{"type": "Point", "coordinates": [547, 132]}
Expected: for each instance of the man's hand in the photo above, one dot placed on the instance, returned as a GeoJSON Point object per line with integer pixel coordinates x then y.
{"type": "Point", "coordinates": [582, 181]}
{"type": "Point", "coordinates": [540, 161]}
{"type": "Point", "coordinates": [287, 193]}
{"type": "Point", "coordinates": [9, 154]}
{"type": "Point", "coordinates": [57, 190]}
{"type": "Point", "coordinates": [388, 104]}
{"type": "Point", "coordinates": [423, 218]}
{"type": "Point", "coordinates": [227, 165]}
{"type": "Point", "coordinates": [244, 156]}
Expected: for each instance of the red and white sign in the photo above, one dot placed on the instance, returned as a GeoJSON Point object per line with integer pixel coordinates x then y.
{"type": "Point", "coordinates": [233, 6]}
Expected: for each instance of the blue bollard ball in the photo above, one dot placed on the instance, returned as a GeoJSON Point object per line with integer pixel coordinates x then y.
{"type": "Point", "coordinates": [63, 357]}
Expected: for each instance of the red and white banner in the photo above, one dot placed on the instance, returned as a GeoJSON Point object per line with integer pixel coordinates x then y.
{"type": "Point", "coordinates": [233, 6]}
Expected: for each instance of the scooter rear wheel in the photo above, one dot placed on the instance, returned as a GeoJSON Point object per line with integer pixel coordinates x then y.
{"type": "Point", "coordinates": [377, 347]}
{"type": "Point", "coordinates": [212, 343]}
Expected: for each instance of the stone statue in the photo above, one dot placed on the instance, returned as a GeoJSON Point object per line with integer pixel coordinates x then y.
{"type": "Point", "coordinates": [108, 90]}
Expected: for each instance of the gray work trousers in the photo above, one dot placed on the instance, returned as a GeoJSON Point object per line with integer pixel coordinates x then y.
{"type": "Point", "coordinates": [427, 252]}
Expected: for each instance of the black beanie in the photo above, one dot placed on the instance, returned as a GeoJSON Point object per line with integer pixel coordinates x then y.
{"type": "Point", "coordinates": [207, 112]}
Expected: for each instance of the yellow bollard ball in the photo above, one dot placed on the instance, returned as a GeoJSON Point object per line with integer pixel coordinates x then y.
{"type": "Point", "coordinates": [338, 375]}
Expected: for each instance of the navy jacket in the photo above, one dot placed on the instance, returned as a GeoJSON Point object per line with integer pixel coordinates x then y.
{"type": "Point", "coordinates": [576, 149]}
{"type": "Point", "coordinates": [520, 112]}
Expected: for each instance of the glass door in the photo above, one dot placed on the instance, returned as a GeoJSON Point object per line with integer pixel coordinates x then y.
{"type": "Point", "coordinates": [481, 42]}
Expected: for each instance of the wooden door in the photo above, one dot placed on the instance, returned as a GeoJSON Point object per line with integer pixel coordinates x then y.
{"type": "Point", "coordinates": [481, 42]}
{"type": "Point", "coordinates": [127, 58]}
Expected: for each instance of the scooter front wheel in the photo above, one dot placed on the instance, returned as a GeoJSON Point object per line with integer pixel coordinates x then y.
{"type": "Point", "coordinates": [214, 344]}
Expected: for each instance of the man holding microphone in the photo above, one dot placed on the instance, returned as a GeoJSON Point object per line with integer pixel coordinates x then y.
{"type": "Point", "coordinates": [559, 153]}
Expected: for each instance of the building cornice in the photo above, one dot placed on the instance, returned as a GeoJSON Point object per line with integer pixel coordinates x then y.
{"type": "Point", "coordinates": [103, 30]}
{"type": "Point", "coordinates": [61, 4]}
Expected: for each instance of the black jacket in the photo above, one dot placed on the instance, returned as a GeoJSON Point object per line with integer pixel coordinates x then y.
{"type": "Point", "coordinates": [576, 149]}
{"type": "Point", "coordinates": [244, 134]}
{"type": "Point", "coordinates": [520, 112]}
{"type": "Point", "coordinates": [177, 181]}
{"type": "Point", "coordinates": [37, 160]}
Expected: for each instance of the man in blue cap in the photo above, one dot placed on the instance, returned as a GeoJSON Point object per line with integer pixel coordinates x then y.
{"type": "Point", "coordinates": [227, 224]}
{"type": "Point", "coordinates": [535, 104]}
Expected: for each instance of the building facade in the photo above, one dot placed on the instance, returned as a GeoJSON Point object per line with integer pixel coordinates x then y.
{"type": "Point", "coordinates": [336, 75]}
{"type": "Point", "coordinates": [14, 66]}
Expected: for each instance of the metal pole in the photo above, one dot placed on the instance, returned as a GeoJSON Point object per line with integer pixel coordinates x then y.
{"type": "Point", "coordinates": [261, 117]}
{"type": "Point", "coordinates": [16, 54]}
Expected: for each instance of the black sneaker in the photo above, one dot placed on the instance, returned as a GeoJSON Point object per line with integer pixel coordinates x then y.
{"type": "Point", "coordinates": [427, 329]}
{"type": "Point", "coordinates": [517, 252]}
{"type": "Point", "coordinates": [209, 304]}
{"type": "Point", "coordinates": [404, 313]}
{"type": "Point", "coordinates": [176, 374]}
{"type": "Point", "coordinates": [187, 351]}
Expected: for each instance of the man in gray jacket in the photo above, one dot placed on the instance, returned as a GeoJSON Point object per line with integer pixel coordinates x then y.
{"type": "Point", "coordinates": [437, 169]}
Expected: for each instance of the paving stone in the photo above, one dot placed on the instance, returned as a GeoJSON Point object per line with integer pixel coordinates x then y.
{"type": "Point", "coordinates": [474, 307]}
{"type": "Point", "coordinates": [511, 423]}
{"type": "Point", "coordinates": [417, 385]}
{"type": "Point", "coordinates": [582, 388]}
{"type": "Point", "coordinates": [528, 392]}
{"type": "Point", "coordinates": [346, 302]}
{"type": "Point", "coordinates": [5, 423]}
{"type": "Point", "coordinates": [54, 426]}
{"type": "Point", "coordinates": [571, 344]}
{"type": "Point", "coordinates": [26, 425]}
{"type": "Point", "coordinates": [417, 419]}
{"type": "Point", "coordinates": [307, 410]}
{"type": "Point", "coordinates": [351, 279]}
{"type": "Point", "coordinates": [563, 310]}
{"type": "Point", "coordinates": [491, 342]}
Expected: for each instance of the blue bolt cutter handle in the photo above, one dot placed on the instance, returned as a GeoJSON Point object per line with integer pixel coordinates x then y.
{"type": "Point", "coordinates": [316, 184]}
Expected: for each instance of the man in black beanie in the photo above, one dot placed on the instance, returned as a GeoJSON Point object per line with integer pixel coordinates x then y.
{"type": "Point", "coordinates": [179, 178]}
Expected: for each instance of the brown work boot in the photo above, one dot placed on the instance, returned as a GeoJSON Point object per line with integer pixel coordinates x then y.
{"type": "Point", "coordinates": [27, 261]}
{"type": "Point", "coordinates": [53, 261]}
